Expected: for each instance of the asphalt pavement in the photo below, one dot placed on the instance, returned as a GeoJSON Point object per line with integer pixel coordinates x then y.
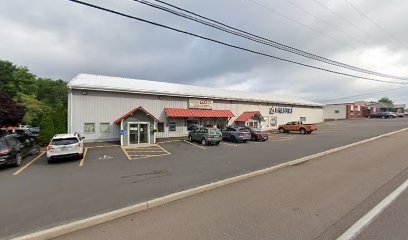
{"type": "Point", "coordinates": [44, 195]}
{"type": "Point", "coordinates": [316, 200]}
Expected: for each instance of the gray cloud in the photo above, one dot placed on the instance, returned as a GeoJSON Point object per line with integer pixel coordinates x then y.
{"type": "Point", "coordinates": [59, 39]}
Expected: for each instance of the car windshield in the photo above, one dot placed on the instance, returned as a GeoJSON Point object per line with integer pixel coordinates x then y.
{"type": "Point", "coordinates": [243, 130]}
{"type": "Point", "coordinates": [63, 141]}
{"type": "Point", "coordinates": [215, 131]}
{"type": "Point", "coordinates": [255, 129]}
{"type": "Point", "coordinates": [2, 144]}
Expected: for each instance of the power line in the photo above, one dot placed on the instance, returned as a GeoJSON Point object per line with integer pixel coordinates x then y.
{"type": "Point", "coordinates": [231, 45]}
{"type": "Point", "coordinates": [372, 21]}
{"type": "Point", "coordinates": [361, 95]}
{"type": "Point", "coordinates": [300, 23]}
{"type": "Point", "coordinates": [323, 21]}
{"type": "Point", "coordinates": [256, 38]}
{"type": "Point", "coordinates": [344, 19]}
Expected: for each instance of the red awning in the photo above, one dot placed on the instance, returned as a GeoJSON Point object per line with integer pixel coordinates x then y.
{"type": "Point", "coordinates": [117, 121]}
{"type": "Point", "coordinates": [197, 113]}
{"type": "Point", "coordinates": [245, 116]}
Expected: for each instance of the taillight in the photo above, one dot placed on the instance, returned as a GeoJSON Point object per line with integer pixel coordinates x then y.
{"type": "Point", "coordinates": [49, 147]}
{"type": "Point", "coordinates": [5, 151]}
{"type": "Point", "coordinates": [78, 145]}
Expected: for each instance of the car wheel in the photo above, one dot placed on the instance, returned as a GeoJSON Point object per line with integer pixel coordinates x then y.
{"type": "Point", "coordinates": [36, 150]}
{"type": "Point", "coordinates": [190, 138]}
{"type": "Point", "coordinates": [203, 142]}
{"type": "Point", "coordinates": [244, 141]}
{"type": "Point", "coordinates": [281, 130]}
{"type": "Point", "coordinates": [253, 138]}
{"type": "Point", "coordinates": [217, 143]}
{"type": "Point", "coordinates": [302, 131]}
{"type": "Point", "coordinates": [19, 160]}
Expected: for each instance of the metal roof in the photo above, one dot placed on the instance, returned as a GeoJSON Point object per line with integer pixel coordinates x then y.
{"type": "Point", "coordinates": [117, 84]}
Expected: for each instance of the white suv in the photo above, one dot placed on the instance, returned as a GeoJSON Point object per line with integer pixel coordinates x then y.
{"type": "Point", "coordinates": [65, 145]}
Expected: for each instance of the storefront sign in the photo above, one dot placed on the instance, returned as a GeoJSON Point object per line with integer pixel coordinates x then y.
{"type": "Point", "coordinates": [200, 103]}
{"type": "Point", "coordinates": [287, 110]}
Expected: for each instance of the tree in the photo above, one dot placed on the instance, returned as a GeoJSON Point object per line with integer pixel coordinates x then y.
{"type": "Point", "coordinates": [35, 109]}
{"type": "Point", "coordinates": [386, 100]}
{"type": "Point", "coordinates": [60, 119]}
{"type": "Point", "coordinates": [46, 128]}
{"type": "Point", "coordinates": [7, 70]}
{"type": "Point", "coordinates": [11, 113]}
{"type": "Point", "coordinates": [52, 92]}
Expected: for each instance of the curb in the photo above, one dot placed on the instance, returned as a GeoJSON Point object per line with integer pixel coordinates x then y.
{"type": "Point", "coordinates": [105, 217]}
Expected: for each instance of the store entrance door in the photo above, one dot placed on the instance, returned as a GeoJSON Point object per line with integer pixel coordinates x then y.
{"type": "Point", "coordinates": [138, 133]}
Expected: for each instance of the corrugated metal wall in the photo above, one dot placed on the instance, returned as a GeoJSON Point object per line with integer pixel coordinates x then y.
{"type": "Point", "coordinates": [101, 107]}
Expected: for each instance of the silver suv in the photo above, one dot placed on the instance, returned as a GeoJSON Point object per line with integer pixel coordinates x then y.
{"type": "Point", "coordinates": [65, 146]}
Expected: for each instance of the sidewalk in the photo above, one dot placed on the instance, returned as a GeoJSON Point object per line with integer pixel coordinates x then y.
{"type": "Point", "coordinates": [316, 200]}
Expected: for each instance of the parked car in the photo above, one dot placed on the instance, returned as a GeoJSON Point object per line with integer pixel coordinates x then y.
{"type": "Point", "coordinates": [35, 131]}
{"type": "Point", "coordinates": [26, 131]}
{"type": "Point", "coordinates": [206, 136]}
{"type": "Point", "coordinates": [14, 147]}
{"type": "Point", "coordinates": [257, 135]}
{"type": "Point", "coordinates": [392, 114]}
{"type": "Point", "coordinates": [297, 127]}
{"type": "Point", "coordinates": [383, 115]}
{"type": "Point", "coordinates": [236, 134]}
{"type": "Point", "coordinates": [69, 145]}
{"type": "Point", "coordinates": [400, 114]}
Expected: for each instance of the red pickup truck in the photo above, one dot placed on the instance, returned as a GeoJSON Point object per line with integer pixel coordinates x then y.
{"type": "Point", "coordinates": [297, 127]}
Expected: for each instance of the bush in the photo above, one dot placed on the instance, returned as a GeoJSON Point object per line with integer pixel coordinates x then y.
{"type": "Point", "coordinates": [46, 129]}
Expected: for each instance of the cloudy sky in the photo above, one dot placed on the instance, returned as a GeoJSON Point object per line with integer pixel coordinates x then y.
{"type": "Point", "coordinates": [59, 39]}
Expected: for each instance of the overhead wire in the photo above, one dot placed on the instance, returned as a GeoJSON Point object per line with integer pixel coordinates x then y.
{"type": "Point", "coordinates": [256, 38]}
{"type": "Point", "coordinates": [230, 45]}
{"type": "Point", "coordinates": [344, 19]}
{"type": "Point", "coordinates": [372, 21]}
{"type": "Point", "coordinates": [361, 95]}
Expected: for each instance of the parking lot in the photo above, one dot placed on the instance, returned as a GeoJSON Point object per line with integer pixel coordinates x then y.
{"type": "Point", "coordinates": [39, 195]}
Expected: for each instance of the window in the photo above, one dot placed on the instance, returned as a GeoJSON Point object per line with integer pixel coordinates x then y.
{"type": "Point", "coordinates": [172, 126]}
{"type": "Point", "coordinates": [160, 127]}
{"type": "Point", "coordinates": [64, 141]}
{"type": "Point", "coordinates": [336, 111]}
{"type": "Point", "coordinates": [11, 141]}
{"type": "Point", "coordinates": [303, 119]}
{"type": "Point", "coordinates": [104, 127]}
{"type": "Point", "coordinates": [89, 128]}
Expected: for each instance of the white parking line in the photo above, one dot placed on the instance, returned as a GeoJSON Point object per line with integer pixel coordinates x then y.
{"type": "Point", "coordinates": [230, 144]}
{"type": "Point", "coordinates": [363, 222]}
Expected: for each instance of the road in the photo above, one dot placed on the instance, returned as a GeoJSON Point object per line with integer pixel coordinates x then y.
{"type": "Point", "coordinates": [391, 224]}
{"type": "Point", "coordinates": [316, 200]}
{"type": "Point", "coordinates": [50, 195]}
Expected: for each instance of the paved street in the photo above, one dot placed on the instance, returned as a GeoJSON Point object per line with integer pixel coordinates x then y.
{"type": "Point", "coordinates": [49, 195]}
{"type": "Point", "coordinates": [315, 200]}
{"type": "Point", "coordinates": [391, 224]}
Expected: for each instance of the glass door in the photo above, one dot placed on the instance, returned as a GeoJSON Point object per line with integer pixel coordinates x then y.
{"type": "Point", "coordinates": [138, 133]}
{"type": "Point", "coordinates": [143, 133]}
{"type": "Point", "coordinates": [133, 133]}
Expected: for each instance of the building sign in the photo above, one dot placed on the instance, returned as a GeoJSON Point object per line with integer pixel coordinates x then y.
{"type": "Point", "coordinates": [273, 122]}
{"type": "Point", "coordinates": [287, 110]}
{"type": "Point", "coordinates": [200, 103]}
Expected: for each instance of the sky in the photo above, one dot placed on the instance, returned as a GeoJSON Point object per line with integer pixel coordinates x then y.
{"type": "Point", "coordinates": [59, 39]}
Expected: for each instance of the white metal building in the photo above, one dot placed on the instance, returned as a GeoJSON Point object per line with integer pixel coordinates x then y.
{"type": "Point", "coordinates": [133, 111]}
